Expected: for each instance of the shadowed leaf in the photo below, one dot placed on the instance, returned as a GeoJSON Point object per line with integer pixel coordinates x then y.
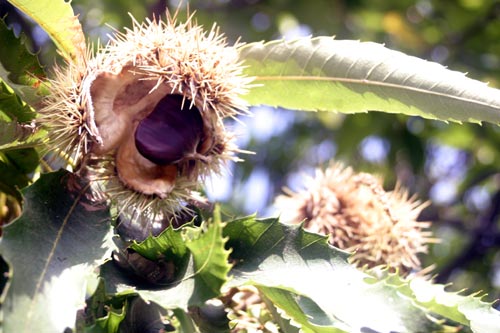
{"type": "Point", "coordinates": [19, 68]}
{"type": "Point", "coordinates": [53, 249]}
{"type": "Point", "coordinates": [15, 169]}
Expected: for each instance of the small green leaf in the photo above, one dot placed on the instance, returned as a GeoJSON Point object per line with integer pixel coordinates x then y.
{"type": "Point", "coordinates": [310, 317]}
{"type": "Point", "coordinates": [18, 67]}
{"type": "Point", "coordinates": [200, 260]}
{"type": "Point", "coordinates": [57, 18]}
{"type": "Point", "coordinates": [17, 128]}
{"type": "Point", "coordinates": [210, 261]}
{"type": "Point", "coordinates": [102, 314]}
{"type": "Point", "coordinates": [18, 140]}
{"type": "Point", "coordinates": [348, 76]}
{"type": "Point", "coordinates": [13, 131]}
{"type": "Point", "coordinates": [12, 108]}
{"type": "Point", "coordinates": [169, 244]}
{"type": "Point", "coordinates": [53, 249]}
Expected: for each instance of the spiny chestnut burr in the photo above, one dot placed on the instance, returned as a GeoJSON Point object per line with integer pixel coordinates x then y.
{"type": "Point", "coordinates": [380, 227]}
{"type": "Point", "coordinates": [171, 132]}
{"type": "Point", "coordinates": [143, 116]}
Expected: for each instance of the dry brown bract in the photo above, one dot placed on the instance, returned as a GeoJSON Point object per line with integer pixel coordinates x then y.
{"type": "Point", "coordinates": [380, 227]}
{"type": "Point", "coordinates": [146, 112]}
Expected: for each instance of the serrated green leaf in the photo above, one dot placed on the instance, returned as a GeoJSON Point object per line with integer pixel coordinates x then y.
{"type": "Point", "coordinates": [284, 260]}
{"type": "Point", "coordinates": [199, 272]}
{"type": "Point", "coordinates": [57, 18]}
{"type": "Point", "coordinates": [169, 244]}
{"type": "Point", "coordinates": [351, 77]}
{"type": "Point", "coordinates": [210, 261]}
{"type": "Point", "coordinates": [284, 322]}
{"type": "Point", "coordinates": [53, 249]}
{"type": "Point", "coordinates": [18, 67]}
{"type": "Point", "coordinates": [467, 310]}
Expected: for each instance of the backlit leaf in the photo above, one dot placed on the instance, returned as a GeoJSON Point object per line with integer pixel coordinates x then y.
{"type": "Point", "coordinates": [323, 74]}
{"type": "Point", "coordinates": [57, 18]}
{"type": "Point", "coordinates": [315, 286]}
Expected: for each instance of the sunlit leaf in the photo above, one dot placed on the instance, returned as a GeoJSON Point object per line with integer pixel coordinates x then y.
{"type": "Point", "coordinates": [57, 18]}
{"type": "Point", "coordinates": [468, 310]}
{"type": "Point", "coordinates": [316, 287]}
{"type": "Point", "coordinates": [12, 108]}
{"type": "Point", "coordinates": [307, 314]}
{"type": "Point", "coordinates": [53, 249]}
{"type": "Point", "coordinates": [351, 77]}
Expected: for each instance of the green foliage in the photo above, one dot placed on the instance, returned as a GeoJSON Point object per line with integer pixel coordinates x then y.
{"type": "Point", "coordinates": [19, 68]}
{"type": "Point", "coordinates": [20, 75]}
{"type": "Point", "coordinates": [350, 77]}
{"type": "Point", "coordinates": [210, 261]}
{"type": "Point", "coordinates": [13, 109]}
{"type": "Point", "coordinates": [470, 311]}
{"type": "Point", "coordinates": [53, 249]}
{"type": "Point", "coordinates": [193, 267]}
{"type": "Point", "coordinates": [298, 270]}
{"type": "Point", "coordinates": [60, 23]}
{"type": "Point", "coordinates": [307, 280]}
{"type": "Point", "coordinates": [101, 315]}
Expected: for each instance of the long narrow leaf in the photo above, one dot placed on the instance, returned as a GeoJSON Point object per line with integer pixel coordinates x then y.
{"type": "Point", "coordinates": [351, 77]}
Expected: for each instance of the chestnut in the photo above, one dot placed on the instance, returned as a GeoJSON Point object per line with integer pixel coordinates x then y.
{"type": "Point", "coordinates": [170, 132]}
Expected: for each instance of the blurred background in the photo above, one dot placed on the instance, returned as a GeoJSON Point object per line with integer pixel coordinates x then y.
{"type": "Point", "coordinates": [456, 167]}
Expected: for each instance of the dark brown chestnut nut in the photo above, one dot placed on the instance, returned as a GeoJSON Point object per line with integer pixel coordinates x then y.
{"type": "Point", "coordinates": [169, 133]}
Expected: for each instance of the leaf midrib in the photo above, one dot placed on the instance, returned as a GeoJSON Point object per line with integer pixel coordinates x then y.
{"type": "Point", "coordinates": [30, 312]}
{"type": "Point", "coordinates": [372, 83]}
